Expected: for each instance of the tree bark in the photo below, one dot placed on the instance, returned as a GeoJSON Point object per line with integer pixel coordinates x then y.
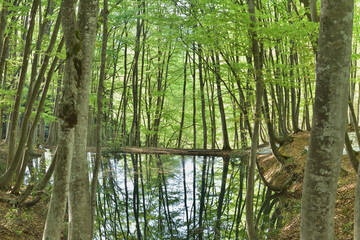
{"type": "Point", "coordinates": [68, 120]}
{"type": "Point", "coordinates": [329, 125]}
{"type": "Point", "coordinates": [183, 100]}
{"type": "Point", "coordinates": [226, 145]}
{"type": "Point", "coordinates": [250, 226]}
{"type": "Point", "coordinates": [219, 210]}
{"type": "Point", "coordinates": [98, 157]}
{"type": "Point", "coordinates": [79, 195]}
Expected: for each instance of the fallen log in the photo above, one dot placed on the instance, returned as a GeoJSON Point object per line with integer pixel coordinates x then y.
{"type": "Point", "coordinates": [177, 151]}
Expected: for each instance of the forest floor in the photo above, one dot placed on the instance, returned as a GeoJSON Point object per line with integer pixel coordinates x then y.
{"type": "Point", "coordinates": [28, 223]}
{"type": "Point", "coordinates": [20, 223]}
{"type": "Point", "coordinates": [290, 200]}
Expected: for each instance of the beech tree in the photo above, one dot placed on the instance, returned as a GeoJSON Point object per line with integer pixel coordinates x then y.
{"type": "Point", "coordinates": [250, 225]}
{"type": "Point", "coordinates": [323, 163]}
{"type": "Point", "coordinates": [72, 167]}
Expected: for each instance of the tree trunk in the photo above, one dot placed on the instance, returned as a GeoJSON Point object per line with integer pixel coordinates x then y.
{"type": "Point", "coordinates": [68, 120]}
{"type": "Point", "coordinates": [250, 226]}
{"type": "Point", "coordinates": [99, 115]}
{"type": "Point", "coordinates": [329, 125]}
{"type": "Point", "coordinates": [183, 101]}
{"type": "Point", "coordinates": [26, 137]}
{"type": "Point", "coordinates": [219, 210]}
{"type": "Point", "coordinates": [351, 153]}
{"type": "Point", "coordinates": [226, 145]}
{"type": "Point", "coordinates": [202, 198]}
{"type": "Point", "coordinates": [11, 164]}
{"type": "Point", "coordinates": [79, 195]}
{"type": "Point", "coordinates": [203, 112]}
{"type": "Point", "coordinates": [4, 44]}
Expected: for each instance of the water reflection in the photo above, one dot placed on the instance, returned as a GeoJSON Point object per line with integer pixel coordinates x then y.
{"type": "Point", "coordinates": [174, 197]}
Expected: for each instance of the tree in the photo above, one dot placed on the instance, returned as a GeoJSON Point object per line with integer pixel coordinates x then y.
{"type": "Point", "coordinates": [329, 124]}
{"type": "Point", "coordinates": [72, 173]}
{"type": "Point", "coordinates": [250, 227]}
{"type": "Point", "coordinates": [79, 194]}
{"type": "Point", "coordinates": [12, 163]}
{"type": "Point", "coordinates": [100, 110]}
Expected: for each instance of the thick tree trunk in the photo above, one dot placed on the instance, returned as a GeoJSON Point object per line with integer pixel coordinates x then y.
{"type": "Point", "coordinates": [68, 120]}
{"type": "Point", "coordinates": [80, 224]}
{"type": "Point", "coordinates": [328, 128]}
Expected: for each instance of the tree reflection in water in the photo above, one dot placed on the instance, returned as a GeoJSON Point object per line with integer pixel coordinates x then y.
{"type": "Point", "coordinates": [164, 197]}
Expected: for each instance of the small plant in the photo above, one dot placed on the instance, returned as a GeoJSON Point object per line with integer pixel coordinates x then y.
{"type": "Point", "coordinates": [2, 167]}
{"type": "Point", "coordinates": [347, 227]}
{"type": "Point", "coordinates": [14, 215]}
{"type": "Point", "coordinates": [304, 151]}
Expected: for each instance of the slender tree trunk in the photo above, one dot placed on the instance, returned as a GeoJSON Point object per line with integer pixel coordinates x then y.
{"type": "Point", "coordinates": [250, 226]}
{"type": "Point", "coordinates": [135, 134]}
{"type": "Point", "coordinates": [226, 145]}
{"type": "Point", "coordinates": [351, 153]}
{"type": "Point", "coordinates": [126, 197]}
{"type": "Point", "coordinates": [183, 101]}
{"type": "Point", "coordinates": [143, 197]}
{"type": "Point", "coordinates": [202, 197]}
{"type": "Point", "coordinates": [25, 136]}
{"type": "Point", "coordinates": [240, 200]}
{"type": "Point", "coordinates": [11, 164]}
{"type": "Point", "coordinates": [99, 115]}
{"type": "Point", "coordinates": [185, 198]}
{"type": "Point", "coordinates": [203, 112]}
{"type": "Point", "coordinates": [124, 95]}
{"type": "Point", "coordinates": [221, 199]}
{"type": "Point", "coordinates": [3, 52]}
{"type": "Point", "coordinates": [272, 138]}
{"type": "Point", "coordinates": [136, 202]}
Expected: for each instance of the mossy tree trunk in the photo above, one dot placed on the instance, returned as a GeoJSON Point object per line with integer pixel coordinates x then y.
{"type": "Point", "coordinates": [71, 172]}
{"type": "Point", "coordinates": [80, 224]}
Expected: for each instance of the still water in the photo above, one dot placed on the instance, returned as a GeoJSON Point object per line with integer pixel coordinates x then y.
{"type": "Point", "coordinates": [177, 197]}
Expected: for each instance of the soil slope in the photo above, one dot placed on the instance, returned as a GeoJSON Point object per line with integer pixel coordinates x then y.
{"type": "Point", "coordinates": [291, 199]}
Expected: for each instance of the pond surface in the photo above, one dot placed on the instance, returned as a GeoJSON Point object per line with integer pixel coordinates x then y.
{"type": "Point", "coordinates": [176, 197]}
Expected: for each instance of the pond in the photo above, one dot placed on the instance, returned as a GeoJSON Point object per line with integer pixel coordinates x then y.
{"type": "Point", "coordinates": [178, 197]}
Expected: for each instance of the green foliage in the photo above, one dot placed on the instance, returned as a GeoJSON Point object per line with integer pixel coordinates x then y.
{"type": "Point", "coordinates": [347, 227]}
{"type": "Point", "coordinates": [2, 167]}
{"type": "Point", "coordinates": [14, 215]}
